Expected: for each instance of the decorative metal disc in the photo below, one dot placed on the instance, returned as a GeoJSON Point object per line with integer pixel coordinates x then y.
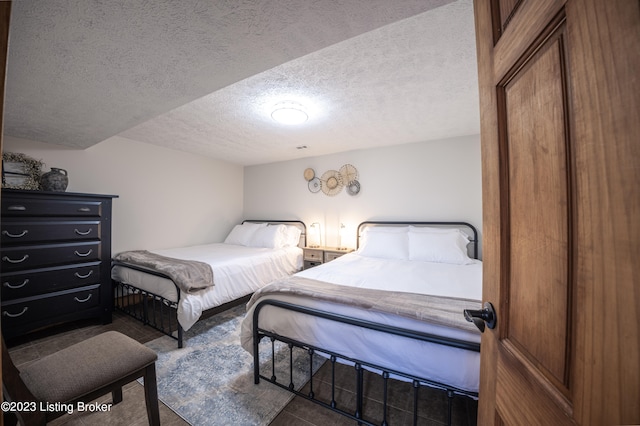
{"type": "Point", "coordinates": [348, 173]}
{"type": "Point", "coordinates": [353, 187]}
{"type": "Point", "coordinates": [314, 185]}
{"type": "Point", "coordinates": [309, 174]}
{"type": "Point", "coordinates": [332, 182]}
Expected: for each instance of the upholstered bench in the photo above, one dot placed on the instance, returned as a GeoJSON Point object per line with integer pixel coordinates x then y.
{"type": "Point", "coordinates": [82, 373]}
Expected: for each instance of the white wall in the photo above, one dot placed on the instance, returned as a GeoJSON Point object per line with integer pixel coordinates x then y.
{"type": "Point", "coordinates": [167, 198]}
{"type": "Point", "coordinates": [436, 180]}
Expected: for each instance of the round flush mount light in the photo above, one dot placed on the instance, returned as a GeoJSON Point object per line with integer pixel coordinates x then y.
{"type": "Point", "coordinates": [289, 113]}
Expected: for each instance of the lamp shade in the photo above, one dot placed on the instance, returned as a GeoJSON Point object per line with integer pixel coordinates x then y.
{"type": "Point", "coordinates": [342, 233]}
{"type": "Point", "coordinates": [315, 239]}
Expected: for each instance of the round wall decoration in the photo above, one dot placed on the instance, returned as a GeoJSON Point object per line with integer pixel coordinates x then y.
{"type": "Point", "coordinates": [309, 174]}
{"type": "Point", "coordinates": [314, 185]}
{"type": "Point", "coordinates": [353, 187]}
{"type": "Point", "coordinates": [348, 173]}
{"type": "Point", "coordinates": [331, 182]}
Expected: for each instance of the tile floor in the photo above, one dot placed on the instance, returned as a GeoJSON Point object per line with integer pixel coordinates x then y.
{"type": "Point", "coordinates": [131, 411]}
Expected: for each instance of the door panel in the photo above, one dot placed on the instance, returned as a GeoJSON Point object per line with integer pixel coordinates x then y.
{"type": "Point", "coordinates": [537, 181]}
{"type": "Point", "coordinates": [506, 9]}
{"type": "Point", "coordinates": [542, 398]}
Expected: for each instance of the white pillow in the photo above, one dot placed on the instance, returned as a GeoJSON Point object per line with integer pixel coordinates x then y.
{"type": "Point", "coordinates": [386, 245]}
{"type": "Point", "coordinates": [381, 229]}
{"type": "Point", "coordinates": [291, 236]}
{"type": "Point", "coordinates": [441, 247]}
{"type": "Point", "coordinates": [434, 230]}
{"type": "Point", "coordinates": [397, 229]}
{"type": "Point", "coordinates": [241, 234]}
{"type": "Point", "coordinates": [269, 236]}
{"type": "Point", "coordinates": [255, 225]}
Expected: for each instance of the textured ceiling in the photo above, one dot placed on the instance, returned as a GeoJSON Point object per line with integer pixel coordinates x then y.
{"type": "Point", "coordinates": [203, 76]}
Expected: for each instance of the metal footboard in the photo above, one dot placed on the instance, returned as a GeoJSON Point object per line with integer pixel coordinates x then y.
{"type": "Point", "coordinates": [354, 413]}
{"type": "Point", "coordinates": [149, 308]}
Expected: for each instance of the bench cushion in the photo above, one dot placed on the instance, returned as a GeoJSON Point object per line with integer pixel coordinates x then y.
{"type": "Point", "coordinates": [85, 367]}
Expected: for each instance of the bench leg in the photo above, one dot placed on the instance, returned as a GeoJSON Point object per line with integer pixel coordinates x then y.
{"type": "Point", "coordinates": [151, 395]}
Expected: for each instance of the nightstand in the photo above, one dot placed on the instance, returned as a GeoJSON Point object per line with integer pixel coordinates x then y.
{"type": "Point", "coordinates": [314, 256]}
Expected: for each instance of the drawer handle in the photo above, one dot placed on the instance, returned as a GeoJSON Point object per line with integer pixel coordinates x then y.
{"type": "Point", "coordinates": [83, 276]}
{"type": "Point", "coordinates": [82, 300]}
{"type": "Point", "coordinates": [13, 287]}
{"type": "Point", "coordinates": [84, 209]}
{"type": "Point", "coordinates": [9, 234]}
{"type": "Point", "coordinates": [16, 208]}
{"type": "Point", "coordinates": [7, 314]}
{"type": "Point", "coordinates": [83, 233]}
{"type": "Point", "coordinates": [77, 253]}
{"type": "Point", "coordinates": [8, 259]}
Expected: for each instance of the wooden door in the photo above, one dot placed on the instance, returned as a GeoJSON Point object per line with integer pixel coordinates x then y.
{"type": "Point", "coordinates": [560, 131]}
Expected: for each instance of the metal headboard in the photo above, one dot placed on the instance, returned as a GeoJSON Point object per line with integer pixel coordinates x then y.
{"type": "Point", "coordinates": [467, 228]}
{"type": "Point", "coordinates": [296, 223]}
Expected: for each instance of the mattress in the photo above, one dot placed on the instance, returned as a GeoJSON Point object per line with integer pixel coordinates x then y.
{"type": "Point", "coordinates": [455, 367]}
{"type": "Point", "coordinates": [237, 271]}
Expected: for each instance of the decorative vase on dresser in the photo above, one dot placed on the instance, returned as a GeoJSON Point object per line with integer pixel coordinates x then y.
{"type": "Point", "coordinates": [55, 262]}
{"type": "Point", "coordinates": [55, 180]}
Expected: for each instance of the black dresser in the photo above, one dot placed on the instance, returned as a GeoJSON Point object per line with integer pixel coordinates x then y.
{"type": "Point", "coordinates": [55, 259]}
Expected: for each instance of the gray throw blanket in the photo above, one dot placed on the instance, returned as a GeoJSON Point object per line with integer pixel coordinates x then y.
{"type": "Point", "coordinates": [189, 275]}
{"type": "Point", "coordinates": [447, 311]}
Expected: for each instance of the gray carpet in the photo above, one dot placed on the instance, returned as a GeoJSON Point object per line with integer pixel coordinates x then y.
{"type": "Point", "coordinates": [210, 380]}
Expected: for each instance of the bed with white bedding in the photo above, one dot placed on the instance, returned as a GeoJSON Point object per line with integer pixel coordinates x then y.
{"type": "Point", "coordinates": [413, 277]}
{"type": "Point", "coordinates": [254, 254]}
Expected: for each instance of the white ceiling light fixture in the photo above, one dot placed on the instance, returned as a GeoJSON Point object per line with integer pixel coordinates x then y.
{"type": "Point", "coordinates": [290, 113]}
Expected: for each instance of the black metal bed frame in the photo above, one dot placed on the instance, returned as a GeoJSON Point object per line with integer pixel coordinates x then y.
{"type": "Point", "coordinates": [151, 309]}
{"type": "Point", "coordinates": [161, 313]}
{"type": "Point", "coordinates": [356, 413]}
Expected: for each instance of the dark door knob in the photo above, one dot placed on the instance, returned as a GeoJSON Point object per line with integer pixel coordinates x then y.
{"type": "Point", "coordinates": [480, 317]}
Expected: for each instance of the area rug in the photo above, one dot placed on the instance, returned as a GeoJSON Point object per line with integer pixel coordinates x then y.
{"type": "Point", "coordinates": [210, 380]}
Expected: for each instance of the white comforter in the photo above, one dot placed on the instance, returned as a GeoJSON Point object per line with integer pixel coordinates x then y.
{"type": "Point", "coordinates": [237, 270]}
{"type": "Point", "coordinates": [436, 279]}
{"type": "Point", "coordinates": [455, 367]}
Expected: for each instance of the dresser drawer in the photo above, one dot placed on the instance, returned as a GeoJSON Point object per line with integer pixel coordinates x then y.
{"type": "Point", "coordinates": [42, 231]}
{"type": "Point", "coordinates": [16, 285]}
{"type": "Point", "coordinates": [23, 207]}
{"type": "Point", "coordinates": [18, 313]}
{"type": "Point", "coordinates": [29, 257]}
